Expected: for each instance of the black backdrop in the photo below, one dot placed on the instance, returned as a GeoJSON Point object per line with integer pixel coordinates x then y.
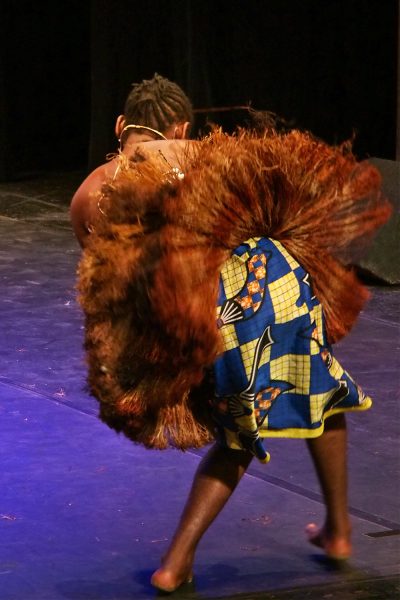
{"type": "Point", "coordinates": [66, 67]}
{"type": "Point", "coordinates": [44, 86]}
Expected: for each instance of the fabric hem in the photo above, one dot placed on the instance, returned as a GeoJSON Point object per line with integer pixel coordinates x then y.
{"type": "Point", "coordinates": [297, 433]}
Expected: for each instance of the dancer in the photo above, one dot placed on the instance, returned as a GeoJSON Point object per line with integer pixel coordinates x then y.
{"type": "Point", "coordinates": [253, 225]}
{"type": "Point", "coordinates": [155, 109]}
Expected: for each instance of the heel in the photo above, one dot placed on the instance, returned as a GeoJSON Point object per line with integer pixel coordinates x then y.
{"type": "Point", "coordinates": [162, 580]}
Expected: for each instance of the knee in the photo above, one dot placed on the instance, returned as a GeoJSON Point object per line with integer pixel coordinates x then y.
{"type": "Point", "coordinates": [335, 422]}
{"type": "Point", "coordinates": [241, 458]}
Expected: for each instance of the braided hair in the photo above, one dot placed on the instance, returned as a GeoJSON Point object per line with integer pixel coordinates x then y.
{"type": "Point", "coordinates": [157, 103]}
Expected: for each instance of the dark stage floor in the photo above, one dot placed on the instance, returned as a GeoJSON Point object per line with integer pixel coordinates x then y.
{"type": "Point", "coordinates": [86, 515]}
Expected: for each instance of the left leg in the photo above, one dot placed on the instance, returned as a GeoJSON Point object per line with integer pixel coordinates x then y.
{"type": "Point", "coordinates": [216, 478]}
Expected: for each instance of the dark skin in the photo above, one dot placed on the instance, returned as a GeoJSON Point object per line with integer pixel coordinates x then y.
{"type": "Point", "coordinates": [84, 204]}
{"type": "Point", "coordinates": [216, 478]}
{"type": "Point", "coordinates": [221, 469]}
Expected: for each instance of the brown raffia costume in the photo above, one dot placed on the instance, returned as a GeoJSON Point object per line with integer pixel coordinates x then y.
{"type": "Point", "coordinates": [149, 277]}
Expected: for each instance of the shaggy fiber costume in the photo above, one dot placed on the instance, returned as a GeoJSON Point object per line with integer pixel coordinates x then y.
{"type": "Point", "coordinates": [150, 277]}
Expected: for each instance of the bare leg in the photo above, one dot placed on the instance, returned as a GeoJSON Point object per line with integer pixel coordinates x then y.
{"type": "Point", "coordinates": [216, 478]}
{"type": "Point", "coordinates": [329, 453]}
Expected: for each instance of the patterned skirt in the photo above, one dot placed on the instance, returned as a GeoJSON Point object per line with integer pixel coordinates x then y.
{"type": "Point", "coordinates": [277, 376]}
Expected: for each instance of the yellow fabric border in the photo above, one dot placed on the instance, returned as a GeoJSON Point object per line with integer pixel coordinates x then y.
{"type": "Point", "coordinates": [313, 433]}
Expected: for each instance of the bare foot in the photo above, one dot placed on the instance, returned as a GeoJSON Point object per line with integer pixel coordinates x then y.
{"type": "Point", "coordinates": [169, 577]}
{"type": "Point", "coordinates": [166, 581]}
{"type": "Point", "coordinates": [335, 547]}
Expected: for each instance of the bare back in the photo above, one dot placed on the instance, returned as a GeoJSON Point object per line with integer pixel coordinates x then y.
{"type": "Point", "coordinates": [84, 204]}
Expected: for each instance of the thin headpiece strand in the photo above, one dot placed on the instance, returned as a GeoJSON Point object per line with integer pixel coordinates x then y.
{"type": "Point", "coordinates": [161, 135]}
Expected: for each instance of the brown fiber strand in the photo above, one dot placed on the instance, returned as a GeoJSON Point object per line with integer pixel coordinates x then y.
{"type": "Point", "coordinates": [148, 280]}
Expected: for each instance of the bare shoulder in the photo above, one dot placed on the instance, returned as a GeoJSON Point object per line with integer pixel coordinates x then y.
{"type": "Point", "coordinates": [84, 201]}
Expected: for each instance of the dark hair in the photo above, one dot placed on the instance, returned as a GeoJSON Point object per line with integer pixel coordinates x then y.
{"type": "Point", "coordinates": [157, 103]}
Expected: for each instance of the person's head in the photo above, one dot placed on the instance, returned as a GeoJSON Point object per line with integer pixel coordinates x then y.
{"type": "Point", "coordinates": [159, 104]}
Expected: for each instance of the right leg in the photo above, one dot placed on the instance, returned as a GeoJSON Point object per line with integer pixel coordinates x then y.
{"type": "Point", "coordinates": [329, 453]}
{"type": "Point", "coordinates": [216, 478]}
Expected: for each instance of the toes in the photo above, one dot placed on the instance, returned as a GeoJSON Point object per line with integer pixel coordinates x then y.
{"type": "Point", "coordinates": [314, 535]}
{"type": "Point", "coordinates": [312, 529]}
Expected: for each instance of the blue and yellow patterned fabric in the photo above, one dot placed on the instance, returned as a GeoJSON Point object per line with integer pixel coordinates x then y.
{"type": "Point", "coordinates": [277, 376]}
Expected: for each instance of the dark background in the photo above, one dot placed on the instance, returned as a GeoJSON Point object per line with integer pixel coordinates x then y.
{"type": "Point", "coordinates": [66, 67]}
